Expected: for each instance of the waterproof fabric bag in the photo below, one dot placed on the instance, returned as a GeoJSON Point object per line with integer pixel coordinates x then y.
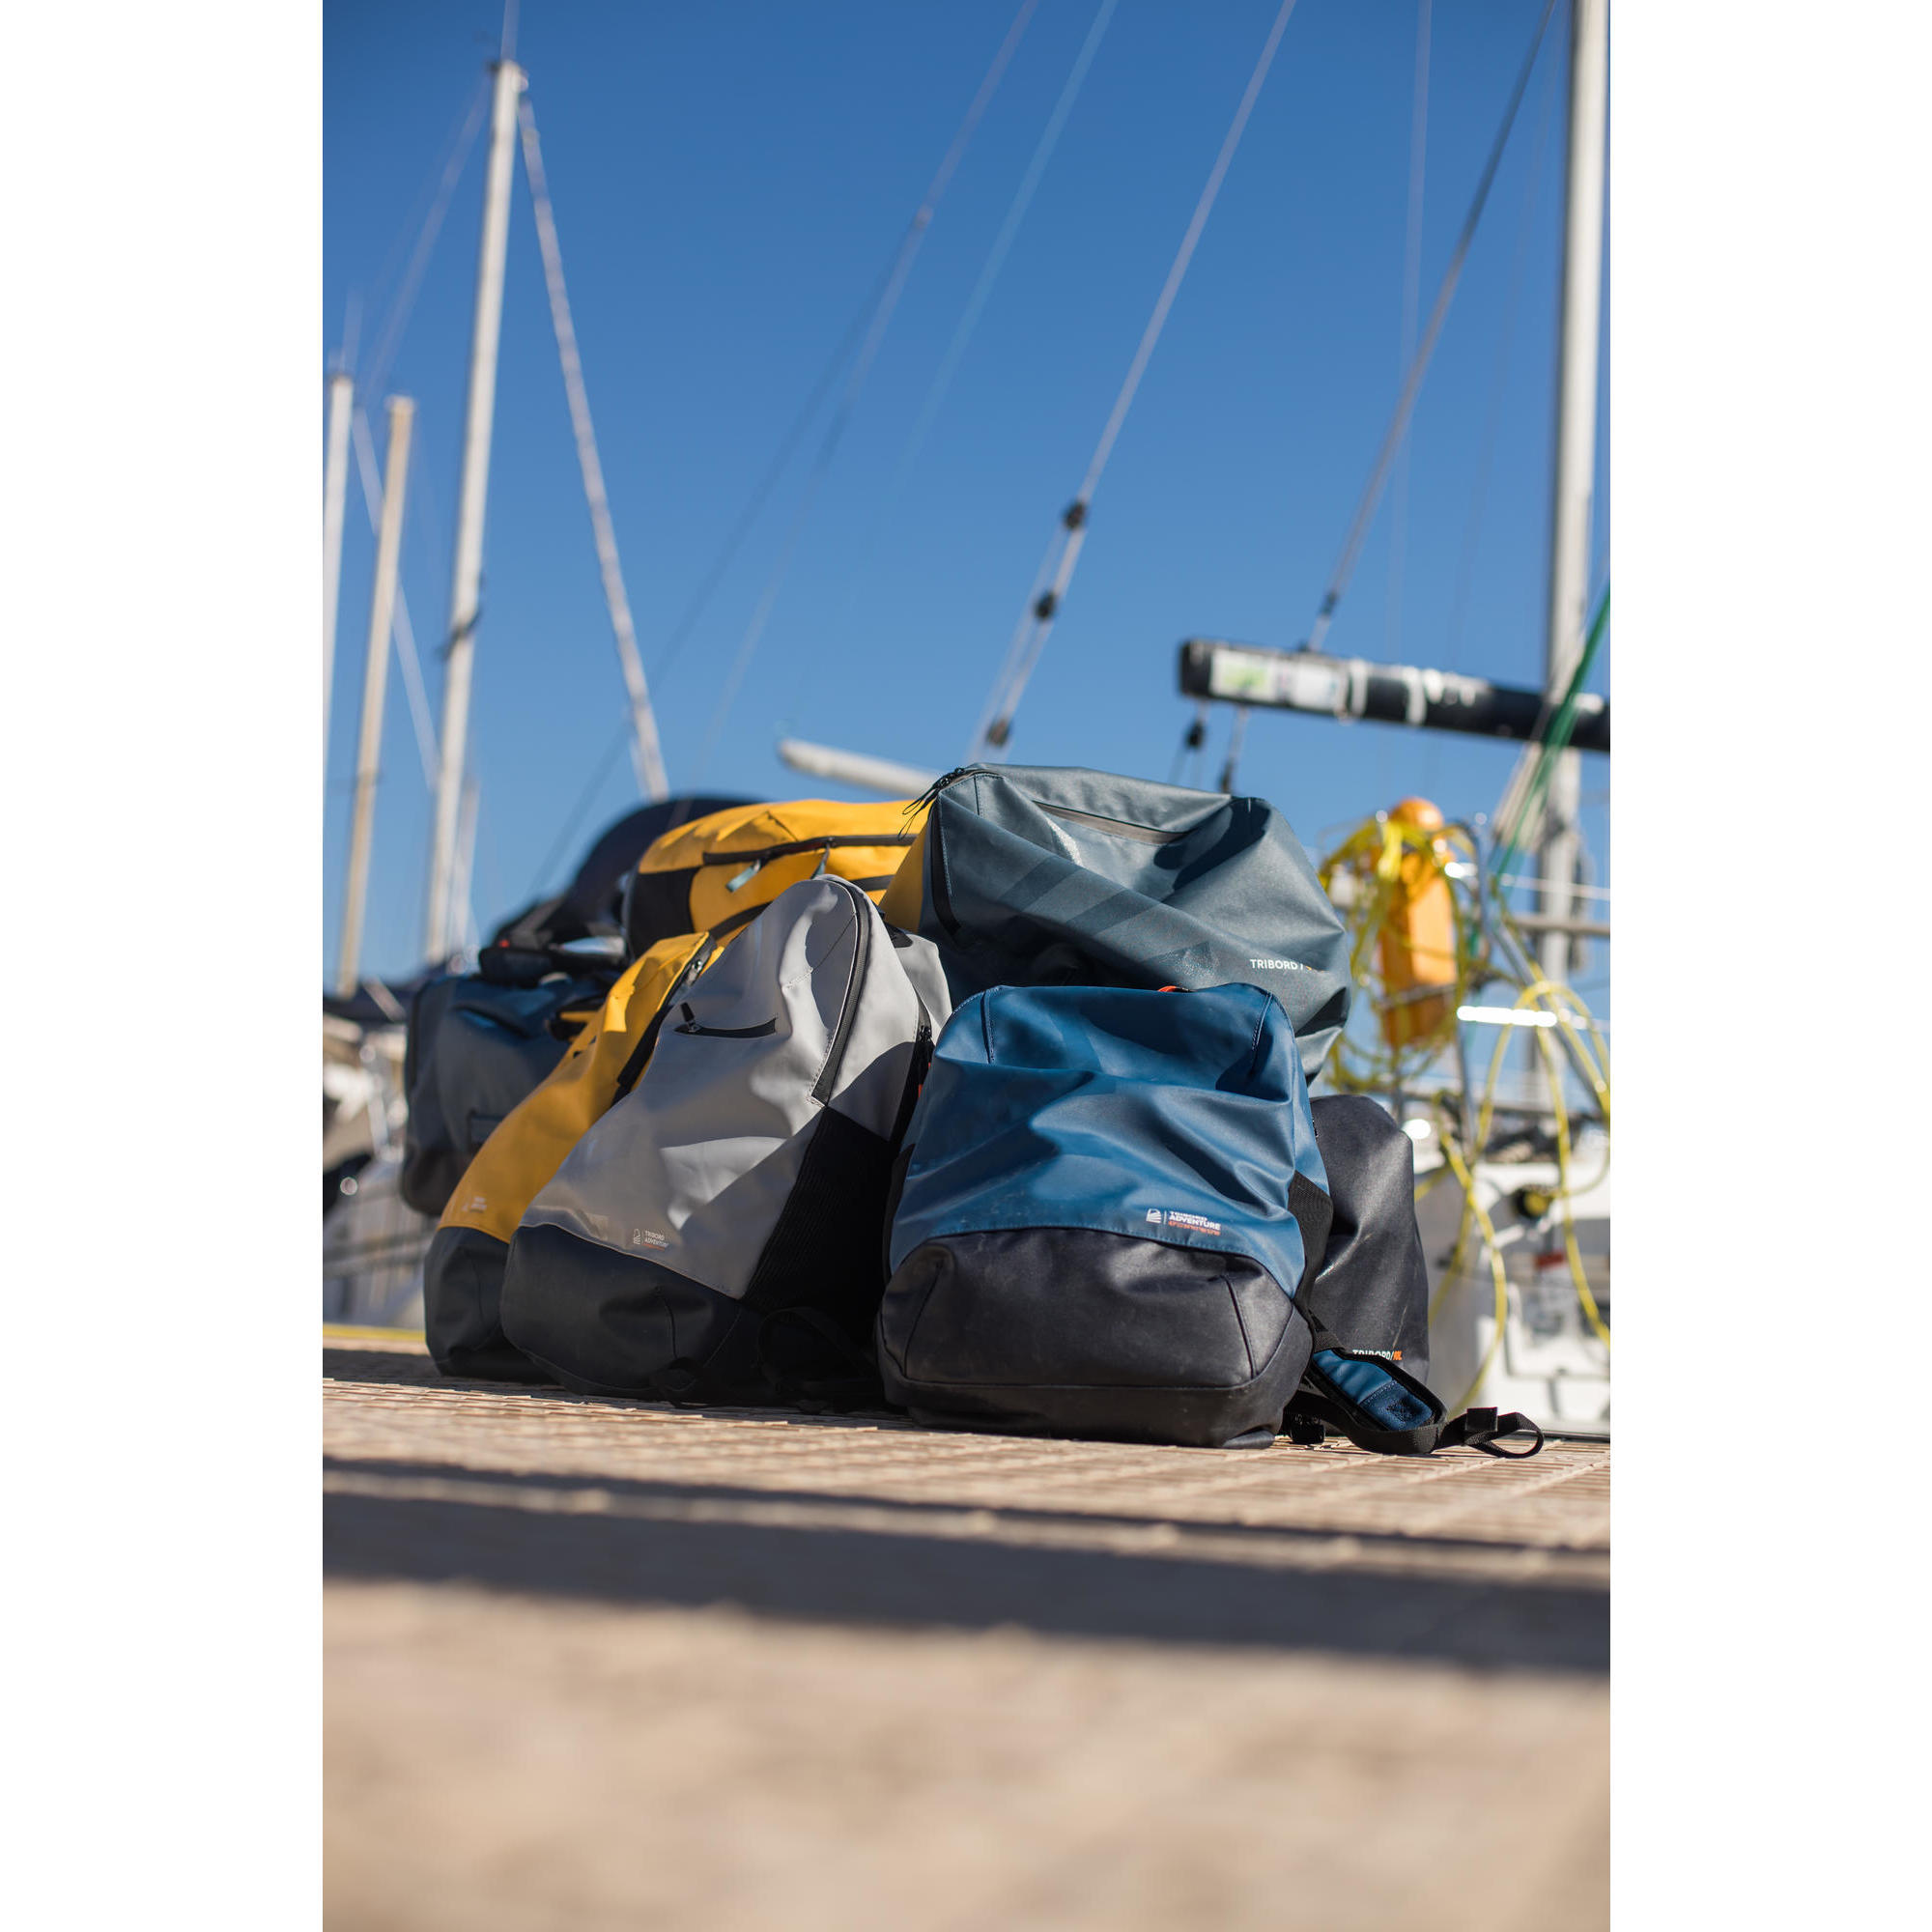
{"type": "Point", "coordinates": [479, 1042]}
{"type": "Point", "coordinates": [475, 1048]}
{"type": "Point", "coordinates": [1371, 1289]}
{"type": "Point", "coordinates": [1368, 1304]}
{"type": "Point", "coordinates": [463, 1276]}
{"type": "Point", "coordinates": [1109, 1201]}
{"type": "Point", "coordinates": [1028, 876]}
{"type": "Point", "coordinates": [463, 1272]}
{"type": "Point", "coordinates": [738, 1192]}
{"type": "Point", "coordinates": [716, 873]}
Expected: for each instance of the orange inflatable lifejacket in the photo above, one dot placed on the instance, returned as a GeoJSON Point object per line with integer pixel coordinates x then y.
{"type": "Point", "coordinates": [1416, 948]}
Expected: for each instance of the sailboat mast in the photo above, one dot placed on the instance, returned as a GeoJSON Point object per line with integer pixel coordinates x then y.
{"type": "Point", "coordinates": [466, 577]}
{"type": "Point", "coordinates": [1575, 448]}
{"type": "Point", "coordinates": [334, 496]}
{"type": "Point", "coordinates": [375, 689]}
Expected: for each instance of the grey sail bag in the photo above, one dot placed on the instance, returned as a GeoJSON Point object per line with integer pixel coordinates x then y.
{"type": "Point", "coordinates": [1031, 875]}
{"type": "Point", "coordinates": [718, 1234]}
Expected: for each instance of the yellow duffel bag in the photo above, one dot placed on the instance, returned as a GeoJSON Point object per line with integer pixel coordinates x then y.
{"type": "Point", "coordinates": [715, 873]}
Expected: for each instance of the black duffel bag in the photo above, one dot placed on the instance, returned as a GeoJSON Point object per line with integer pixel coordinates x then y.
{"type": "Point", "coordinates": [476, 1047]}
{"type": "Point", "coordinates": [478, 1042]}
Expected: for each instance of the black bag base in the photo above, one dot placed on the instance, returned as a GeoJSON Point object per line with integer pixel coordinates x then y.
{"type": "Point", "coordinates": [1244, 1417]}
{"type": "Point", "coordinates": [1094, 1420]}
{"type": "Point", "coordinates": [656, 1335]}
{"type": "Point", "coordinates": [1255, 1439]}
{"type": "Point", "coordinates": [463, 1289]}
{"type": "Point", "coordinates": [1074, 1331]}
{"type": "Point", "coordinates": [653, 1332]}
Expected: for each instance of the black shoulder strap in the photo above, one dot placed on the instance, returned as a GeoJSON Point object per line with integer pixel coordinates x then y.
{"type": "Point", "coordinates": [1320, 1404]}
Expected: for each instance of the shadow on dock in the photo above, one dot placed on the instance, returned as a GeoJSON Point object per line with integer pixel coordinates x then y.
{"type": "Point", "coordinates": [835, 1559]}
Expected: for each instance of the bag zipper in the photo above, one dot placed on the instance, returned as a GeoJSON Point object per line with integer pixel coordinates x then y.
{"type": "Point", "coordinates": [1145, 834]}
{"type": "Point", "coordinates": [828, 1075]}
{"type": "Point", "coordinates": [836, 840]}
{"type": "Point", "coordinates": [942, 899]}
{"type": "Point", "coordinates": [633, 1067]}
{"type": "Point", "coordinates": [916, 1072]}
{"type": "Point", "coordinates": [722, 1033]}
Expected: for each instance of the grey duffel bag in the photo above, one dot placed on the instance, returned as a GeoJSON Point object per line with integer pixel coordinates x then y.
{"type": "Point", "coordinates": [1031, 875]}
{"type": "Point", "coordinates": [718, 1234]}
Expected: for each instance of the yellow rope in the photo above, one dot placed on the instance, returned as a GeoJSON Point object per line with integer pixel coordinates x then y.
{"type": "Point", "coordinates": [1371, 859]}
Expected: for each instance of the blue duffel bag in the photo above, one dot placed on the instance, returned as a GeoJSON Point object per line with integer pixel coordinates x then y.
{"type": "Point", "coordinates": [1108, 1202]}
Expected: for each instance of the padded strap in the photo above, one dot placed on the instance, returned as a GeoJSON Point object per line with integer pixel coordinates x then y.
{"type": "Point", "coordinates": [1479, 1427]}
{"type": "Point", "coordinates": [1367, 1398]}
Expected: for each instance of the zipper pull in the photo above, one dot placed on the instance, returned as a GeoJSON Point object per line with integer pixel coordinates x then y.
{"type": "Point", "coordinates": [939, 784]}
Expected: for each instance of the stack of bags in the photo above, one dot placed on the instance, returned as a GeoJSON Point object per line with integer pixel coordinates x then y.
{"type": "Point", "coordinates": [993, 1107]}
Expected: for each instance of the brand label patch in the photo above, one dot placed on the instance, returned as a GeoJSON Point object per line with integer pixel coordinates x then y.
{"type": "Point", "coordinates": [475, 1204]}
{"type": "Point", "coordinates": [1198, 1224]}
{"type": "Point", "coordinates": [1278, 965]}
{"type": "Point", "coordinates": [648, 1237]}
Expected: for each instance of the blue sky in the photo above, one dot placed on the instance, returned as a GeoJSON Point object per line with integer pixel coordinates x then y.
{"type": "Point", "coordinates": [729, 183]}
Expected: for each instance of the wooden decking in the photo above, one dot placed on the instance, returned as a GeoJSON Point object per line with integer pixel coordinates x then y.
{"type": "Point", "coordinates": [611, 1664]}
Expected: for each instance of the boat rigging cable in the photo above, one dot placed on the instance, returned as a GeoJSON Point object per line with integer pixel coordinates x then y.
{"type": "Point", "coordinates": [1063, 552]}
{"type": "Point", "coordinates": [599, 771]}
{"type": "Point", "coordinates": [1411, 300]}
{"type": "Point", "coordinates": [975, 302]}
{"type": "Point", "coordinates": [882, 316]}
{"type": "Point", "coordinates": [762, 492]}
{"type": "Point", "coordinates": [1522, 806]}
{"type": "Point", "coordinates": [403, 305]}
{"type": "Point", "coordinates": [646, 751]}
{"type": "Point", "coordinates": [969, 319]}
{"type": "Point", "coordinates": [1397, 429]}
{"type": "Point", "coordinates": [1465, 564]}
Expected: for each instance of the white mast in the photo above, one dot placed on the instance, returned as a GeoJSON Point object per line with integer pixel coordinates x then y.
{"type": "Point", "coordinates": [468, 576]}
{"type": "Point", "coordinates": [335, 495]}
{"type": "Point", "coordinates": [462, 924]}
{"type": "Point", "coordinates": [1576, 447]}
{"type": "Point", "coordinates": [375, 685]}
